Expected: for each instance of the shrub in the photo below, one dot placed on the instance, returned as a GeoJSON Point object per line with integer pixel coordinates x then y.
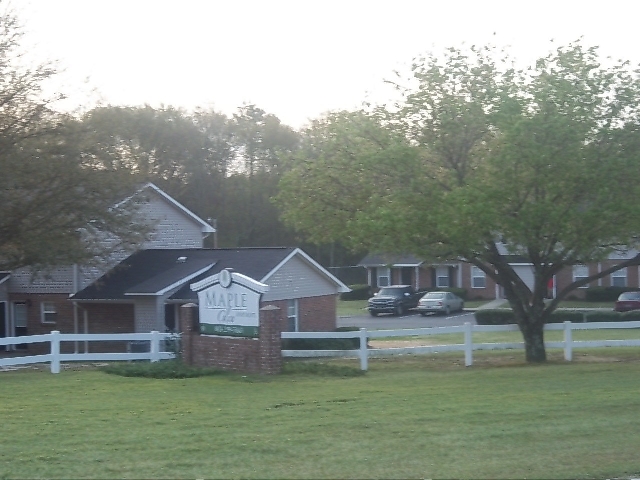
{"type": "Point", "coordinates": [323, 343]}
{"type": "Point", "coordinates": [358, 292]}
{"type": "Point", "coordinates": [632, 316]}
{"type": "Point", "coordinates": [355, 342]}
{"type": "Point", "coordinates": [604, 316]}
{"type": "Point", "coordinates": [605, 294]}
{"type": "Point", "coordinates": [561, 316]}
{"type": "Point", "coordinates": [496, 316]}
{"type": "Point", "coordinates": [611, 316]}
{"type": "Point", "coordinates": [161, 369]}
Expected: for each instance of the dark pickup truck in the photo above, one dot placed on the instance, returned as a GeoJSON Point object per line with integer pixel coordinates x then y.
{"type": "Point", "coordinates": [396, 299]}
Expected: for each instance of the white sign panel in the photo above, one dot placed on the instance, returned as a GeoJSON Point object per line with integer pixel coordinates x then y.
{"type": "Point", "coordinates": [229, 304]}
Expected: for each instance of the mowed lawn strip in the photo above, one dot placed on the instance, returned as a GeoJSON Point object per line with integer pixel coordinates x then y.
{"type": "Point", "coordinates": [510, 337]}
{"type": "Point", "coordinates": [413, 417]}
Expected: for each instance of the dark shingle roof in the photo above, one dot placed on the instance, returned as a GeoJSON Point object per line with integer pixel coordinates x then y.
{"type": "Point", "coordinates": [384, 260]}
{"type": "Point", "coordinates": [151, 272]}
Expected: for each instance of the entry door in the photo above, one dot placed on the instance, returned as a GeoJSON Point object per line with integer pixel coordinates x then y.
{"type": "Point", "coordinates": [20, 322]}
{"type": "Point", "coordinates": [407, 275]}
{"type": "Point", "coordinates": [170, 317]}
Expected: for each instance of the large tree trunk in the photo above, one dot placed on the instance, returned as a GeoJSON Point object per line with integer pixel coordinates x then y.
{"type": "Point", "coordinates": [533, 333]}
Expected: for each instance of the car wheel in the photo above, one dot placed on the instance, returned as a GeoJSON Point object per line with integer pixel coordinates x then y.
{"type": "Point", "coordinates": [424, 314]}
{"type": "Point", "coordinates": [399, 311]}
{"type": "Point", "coordinates": [462, 306]}
{"type": "Point", "coordinates": [373, 314]}
{"type": "Point", "coordinates": [447, 310]}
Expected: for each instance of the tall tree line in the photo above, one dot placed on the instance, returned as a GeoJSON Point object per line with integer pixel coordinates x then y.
{"type": "Point", "coordinates": [224, 168]}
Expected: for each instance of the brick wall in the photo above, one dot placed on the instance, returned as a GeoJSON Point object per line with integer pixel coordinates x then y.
{"type": "Point", "coordinates": [107, 318]}
{"type": "Point", "coordinates": [250, 355]}
{"type": "Point", "coordinates": [315, 314]}
{"type": "Point", "coordinates": [489, 290]}
{"type": "Point", "coordinates": [35, 326]}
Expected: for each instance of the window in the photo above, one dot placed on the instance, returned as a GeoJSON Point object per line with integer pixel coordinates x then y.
{"type": "Point", "coordinates": [442, 277]}
{"type": "Point", "coordinates": [383, 276]}
{"type": "Point", "coordinates": [292, 315]}
{"type": "Point", "coordinates": [619, 278]}
{"type": "Point", "coordinates": [49, 312]}
{"type": "Point", "coordinates": [580, 272]}
{"type": "Point", "coordinates": [478, 278]}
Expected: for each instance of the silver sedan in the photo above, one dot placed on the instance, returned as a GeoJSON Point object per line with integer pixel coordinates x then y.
{"type": "Point", "coordinates": [440, 302]}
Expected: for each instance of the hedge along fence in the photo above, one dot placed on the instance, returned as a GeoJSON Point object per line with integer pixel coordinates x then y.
{"type": "Point", "coordinates": [507, 317]}
{"type": "Point", "coordinates": [468, 347]}
{"type": "Point", "coordinates": [324, 343]}
{"type": "Point", "coordinates": [605, 294]}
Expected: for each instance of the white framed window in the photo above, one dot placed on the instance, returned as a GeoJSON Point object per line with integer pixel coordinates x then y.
{"type": "Point", "coordinates": [384, 276]}
{"type": "Point", "coordinates": [619, 278]}
{"type": "Point", "coordinates": [49, 312]}
{"type": "Point", "coordinates": [442, 277]}
{"type": "Point", "coordinates": [478, 278]}
{"type": "Point", "coordinates": [580, 272]}
{"type": "Point", "coordinates": [292, 315]}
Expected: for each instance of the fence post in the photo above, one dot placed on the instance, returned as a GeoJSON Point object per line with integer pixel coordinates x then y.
{"type": "Point", "coordinates": [154, 350]}
{"type": "Point", "coordinates": [468, 344]}
{"type": "Point", "coordinates": [568, 340]}
{"type": "Point", "coordinates": [55, 351]}
{"type": "Point", "coordinates": [364, 353]}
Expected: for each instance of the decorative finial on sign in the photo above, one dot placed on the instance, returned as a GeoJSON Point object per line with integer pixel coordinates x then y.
{"type": "Point", "coordinates": [225, 278]}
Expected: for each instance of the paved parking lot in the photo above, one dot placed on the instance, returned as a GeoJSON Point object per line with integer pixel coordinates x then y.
{"type": "Point", "coordinates": [410, 320]}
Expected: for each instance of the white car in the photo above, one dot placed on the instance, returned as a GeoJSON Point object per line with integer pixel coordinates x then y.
{"type": "Point", "coordinates": [440, 302]}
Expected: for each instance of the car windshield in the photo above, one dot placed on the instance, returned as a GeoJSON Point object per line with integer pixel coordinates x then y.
{"type": "Point", "coordinates": [436, 295]}
{"type": "Point", "coordinates": [393, 291]}
{"type": "Point", "coordinates": [629, 296]}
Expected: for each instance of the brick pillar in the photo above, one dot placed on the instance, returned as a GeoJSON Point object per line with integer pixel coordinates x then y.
{"type": "Point", "coordinates": [270, 340]}
{"type": "Point", "coordinates": [187, 324]}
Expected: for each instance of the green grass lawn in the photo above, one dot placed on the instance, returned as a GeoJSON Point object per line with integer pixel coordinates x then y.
{"type": "Point", "coordinates": [359, 307]}
{"type": "Point", "coordinates": [516, 336]}
{"type": "Point", "coordinates": [408, 417]}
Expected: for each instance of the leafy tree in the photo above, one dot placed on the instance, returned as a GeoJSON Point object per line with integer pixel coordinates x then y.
{"type": "Point", "coordinates": [221, 168]}
{"type": "Point", "coordinates": [188, 155]}
{"type": "Point", "coordinates": [54, 208]}
{"type": "Point", "coordinates": [494, 161]}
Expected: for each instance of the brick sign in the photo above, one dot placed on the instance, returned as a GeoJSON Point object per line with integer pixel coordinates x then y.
{"type": "Point", "coordinates": [229, 304]}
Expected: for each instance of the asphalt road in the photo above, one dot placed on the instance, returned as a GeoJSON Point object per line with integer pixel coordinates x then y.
{"type": "Point", "coordinates": [410, 320]}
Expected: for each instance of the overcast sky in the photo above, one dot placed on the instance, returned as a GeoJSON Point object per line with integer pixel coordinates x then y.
{"type": "Point", "coordinates": [296, 59]}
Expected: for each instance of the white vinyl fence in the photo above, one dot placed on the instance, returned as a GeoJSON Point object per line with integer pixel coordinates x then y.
{"type": "Point", "coordinates": [154, 353]}
{"type": "Point", "coordinates": [468, 347]}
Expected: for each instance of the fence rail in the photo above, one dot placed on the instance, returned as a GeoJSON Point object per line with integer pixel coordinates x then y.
{"type": "Point", "coordinates": [55, 357]}
{"type": "Point", "coordinates": [468, 347]}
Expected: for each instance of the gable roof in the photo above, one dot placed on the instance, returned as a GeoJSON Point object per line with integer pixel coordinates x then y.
{"type": "Point", "coordinates": [154, 272]}
{"type": "Point", "coordinates": [205, 227]}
